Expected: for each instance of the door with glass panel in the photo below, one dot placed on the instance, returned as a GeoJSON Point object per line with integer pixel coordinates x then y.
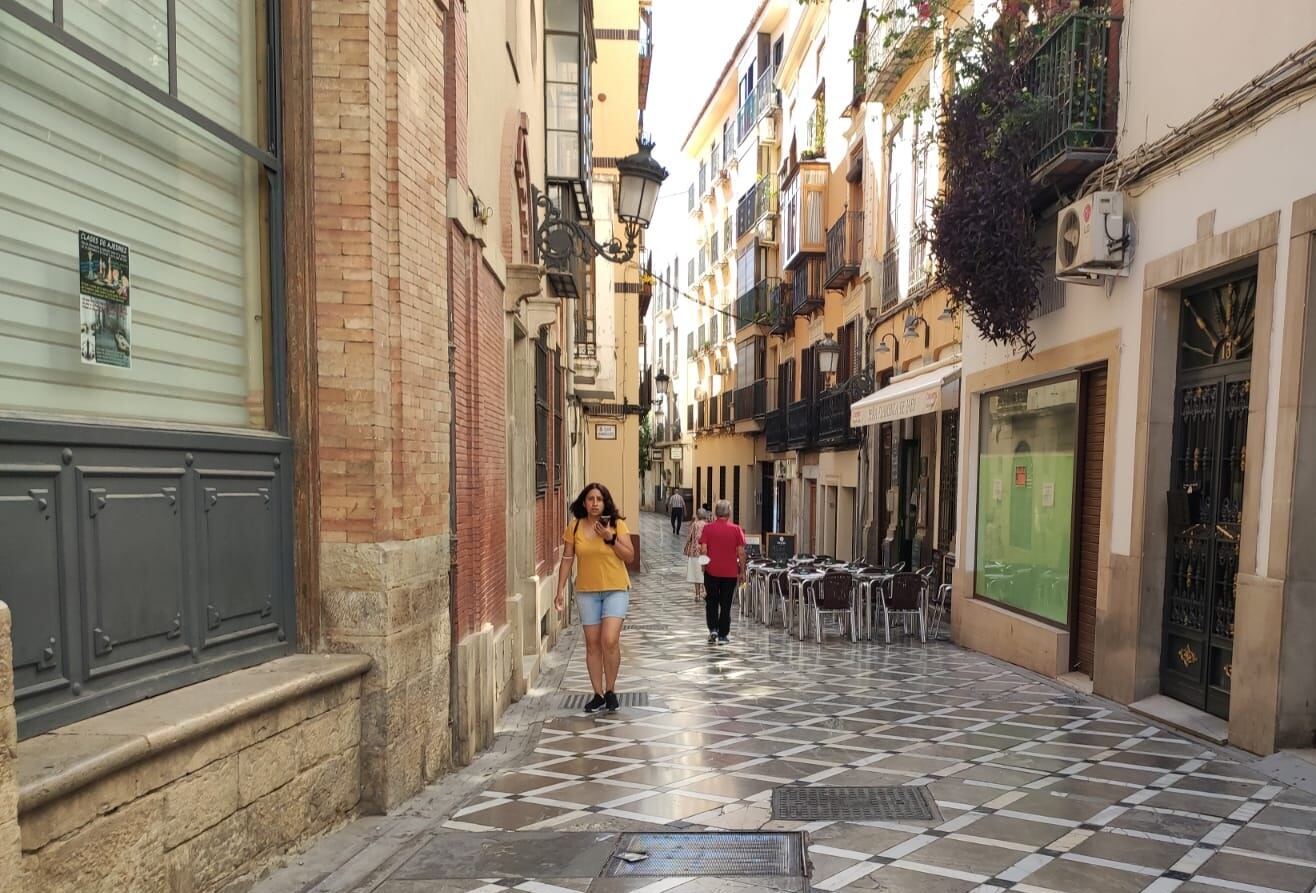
{"type": "Point", "coordinates": [1208, 466]}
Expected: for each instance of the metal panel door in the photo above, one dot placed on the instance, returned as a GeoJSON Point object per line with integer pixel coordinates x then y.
{"type": "Point", "coordinates": [1206, 499]}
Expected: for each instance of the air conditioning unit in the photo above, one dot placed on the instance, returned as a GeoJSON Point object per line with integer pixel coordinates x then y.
{"type": "Point", "coordinates": [767, 231]}
{"type": "Point", "coordinates": [1090, 237]}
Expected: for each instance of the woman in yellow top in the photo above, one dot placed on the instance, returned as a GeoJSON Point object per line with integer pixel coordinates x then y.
{"type": "Point", "coordinates": [599, 545]}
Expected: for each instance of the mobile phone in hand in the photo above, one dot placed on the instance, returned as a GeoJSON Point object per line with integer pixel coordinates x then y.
{"type": "Point", "coordinates": [606, 520]}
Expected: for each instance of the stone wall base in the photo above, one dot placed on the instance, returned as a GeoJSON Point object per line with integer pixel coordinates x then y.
{"type": "Point", "coordinates": [390, 601]}
{"type": "Point", "coordinates": [198, 804]}
{"type": "Point", "coordinates": [981, 626]}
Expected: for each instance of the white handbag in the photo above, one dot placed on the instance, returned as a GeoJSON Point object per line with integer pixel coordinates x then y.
{"type": "Point", "coordinates": [694, 571]}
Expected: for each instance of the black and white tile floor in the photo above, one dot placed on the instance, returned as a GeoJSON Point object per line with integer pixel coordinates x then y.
{"type": "Point", "coordinates": [1038, 790]}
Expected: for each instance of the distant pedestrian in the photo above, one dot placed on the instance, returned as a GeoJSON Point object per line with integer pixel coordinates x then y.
{"type": "Point", "coordinates": [694, 571]}
{"type": "Point", "coordinates": [677, 507]}
{"type": "Point", "coordinates": [599, 545]}
{"type": "Point", "coordinates": [724, 544]}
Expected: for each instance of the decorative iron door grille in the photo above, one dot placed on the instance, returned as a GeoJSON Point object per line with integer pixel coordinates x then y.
{"type": "Point", "coordinates": [1206, 493]}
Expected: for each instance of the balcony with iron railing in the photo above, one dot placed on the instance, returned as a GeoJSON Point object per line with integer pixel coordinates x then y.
{"type": "Point", "coordinates": [891, 277]}
{"type": "Point", "coordinates": [900, 35]}
{"type": "Point", "coordinates": [801, 424]}
{"type": "Point", "coordinates": [759, 201]}
{"type": "Point", "coordinates": [808, 286]}
{"type": "Point", "coordinates": [1070, 72]}
{"type": "Point", "coordinates": [752, 401]}
{"type": "Point", "coordinates": [774, 431]}
{"type": "Point", "coordinates": [757, 103]}
{"type": "Point", "coordinates": [845, 246]}
{"type": "Point", "coordinates": [782, 319]}
{"type": "Point", "coordinates": [834, 419]}
{"type": "Point", "coordinates": [754, 307]}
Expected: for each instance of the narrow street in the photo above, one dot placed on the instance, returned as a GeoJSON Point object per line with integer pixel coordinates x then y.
{"type": "Point", "coordinates": [1035, 788]}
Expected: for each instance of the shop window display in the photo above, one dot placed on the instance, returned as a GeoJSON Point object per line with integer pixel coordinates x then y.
{"type": "Point", "coordinates": [1026, 468]}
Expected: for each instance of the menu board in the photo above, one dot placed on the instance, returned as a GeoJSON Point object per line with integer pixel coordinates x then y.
{"type": "Point", "coordinates": [753, 546]}
{"type": "Point", "coordinates": [781, 546]}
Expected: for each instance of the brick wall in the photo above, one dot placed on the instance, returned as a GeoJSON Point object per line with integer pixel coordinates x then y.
{"type": "Point", "coordinates": [382, 296]}
{"type": "Point", "coordinates": [480, 401]}
{"type": "Point", "coordinates": [380, 215]}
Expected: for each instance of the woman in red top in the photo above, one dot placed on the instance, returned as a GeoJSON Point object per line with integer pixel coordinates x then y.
{"type": "Point", "coordinates": [724, 544]}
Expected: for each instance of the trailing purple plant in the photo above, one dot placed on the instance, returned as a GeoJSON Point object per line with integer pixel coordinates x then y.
{"type": "Point", "coordinates": [982, 231]}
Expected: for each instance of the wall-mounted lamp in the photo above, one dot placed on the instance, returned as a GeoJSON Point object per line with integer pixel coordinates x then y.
{"type": "Point", "coordinates": [912, 322]}
{"type": "Point", "coordinates": [893, 349]}
{"type": "Point", "coordinates": [562, 240]}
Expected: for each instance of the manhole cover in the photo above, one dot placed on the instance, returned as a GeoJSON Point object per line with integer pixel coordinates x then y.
{"type": "Point", "coordinates": [626, 699]}
{"type": "Point", "coordinates": [806, 803]}
{"type": "Point", "coordinates": [709, 854]}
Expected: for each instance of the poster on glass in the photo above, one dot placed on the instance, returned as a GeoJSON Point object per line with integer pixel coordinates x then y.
{"type": "Point", "coordinates": [104, 300]}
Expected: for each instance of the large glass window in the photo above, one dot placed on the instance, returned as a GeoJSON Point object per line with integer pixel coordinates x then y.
{"type": "Point", "coordinates": [85, 152]}
{"type": "Point", "coordinates": [1026, 466]}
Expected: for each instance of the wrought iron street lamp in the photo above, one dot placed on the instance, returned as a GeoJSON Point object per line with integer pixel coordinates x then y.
{"type": "Point", "coordinates": [562, 240]}
{"type": "Point", "coordinates": [912, 322]}
{"type": "Point", "coordinates": [829, 354]}
{"type": "Point", "coordinates": [895, 345]}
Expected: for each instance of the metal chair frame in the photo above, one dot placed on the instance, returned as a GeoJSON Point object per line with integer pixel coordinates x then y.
{"type": "Point", "coordinates": [905, 594]}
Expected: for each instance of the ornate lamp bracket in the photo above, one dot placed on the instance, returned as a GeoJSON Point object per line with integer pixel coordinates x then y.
{"type": "Point", "coordinates": [562, 240]}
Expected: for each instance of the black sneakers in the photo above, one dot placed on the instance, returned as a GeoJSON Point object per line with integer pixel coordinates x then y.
{"type": "Point", "coordinates": [610, 699]}
{"type": "Point", "coordinates": [712, 638]}
{"type": "Point", "coordinates": [596, 702]}
{"type": "Point", "coordinates": [723, 640]}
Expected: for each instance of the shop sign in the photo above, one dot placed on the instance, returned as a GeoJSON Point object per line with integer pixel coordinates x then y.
{"type": "Point", "coordinates": [605, 432]}
{"type": "Point", "coordinates": [920, 402]}
{"type": "Point", "coordinates": [104, 302]}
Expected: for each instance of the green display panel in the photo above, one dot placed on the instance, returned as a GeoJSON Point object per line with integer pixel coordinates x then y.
{"type": "Point", "coordinates": [1026, 466]}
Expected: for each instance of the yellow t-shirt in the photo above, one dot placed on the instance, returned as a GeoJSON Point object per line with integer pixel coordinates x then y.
{"type": "Point", "coordinates": [598, 569]}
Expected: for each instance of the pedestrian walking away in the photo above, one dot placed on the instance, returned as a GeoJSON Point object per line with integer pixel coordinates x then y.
{"type": "Point", "coordinates": [677, 507]}
{"type": "Point", "coordinates": [599, 545]}
{"type": "Point", "coordinates": [724, 544]}
{"type": "Point", "coordinates": [695, 560]}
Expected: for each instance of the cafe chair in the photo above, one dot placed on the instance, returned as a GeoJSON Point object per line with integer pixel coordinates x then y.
{"type": "Point", "coordinates": [937, 609]}
{"type": "Point", "coordinates": [834, 596]}
{"type": "Point", "coordinates": [905, 595]}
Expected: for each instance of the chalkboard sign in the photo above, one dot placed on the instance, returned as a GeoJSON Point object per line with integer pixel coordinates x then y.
{"type": "Point", "coordinates": [781, 546]}
{"type": "Point", "coordinates": [753, 547]}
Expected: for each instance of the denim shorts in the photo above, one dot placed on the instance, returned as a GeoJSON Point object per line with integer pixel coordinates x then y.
{"type": "Point", "coordinates": [594, 606]}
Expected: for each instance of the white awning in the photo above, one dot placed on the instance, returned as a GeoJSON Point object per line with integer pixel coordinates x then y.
{"type": "Point", "coordinates": [917, 395]}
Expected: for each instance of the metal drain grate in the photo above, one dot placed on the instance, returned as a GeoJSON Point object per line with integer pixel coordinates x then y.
{"type": "Point", "coordinates": [709, 854]}
{"type": "Point", "coordinates": [806, 803]}
{"type": "Point", "coordinates": [626, 699]}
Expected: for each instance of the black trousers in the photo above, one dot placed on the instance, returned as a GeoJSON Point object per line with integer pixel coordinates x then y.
{"type": "Point", "coordinates": [719, 591]}
{"type": "Point", "coordinates": [678, 518]}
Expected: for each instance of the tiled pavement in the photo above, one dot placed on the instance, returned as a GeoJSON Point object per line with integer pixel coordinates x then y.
{"type": "Point", "coordinates": [1038, 789]}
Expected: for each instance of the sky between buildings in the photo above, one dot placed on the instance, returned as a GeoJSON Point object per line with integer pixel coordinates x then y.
{"type": "Point", "coordinates": [692, 40]}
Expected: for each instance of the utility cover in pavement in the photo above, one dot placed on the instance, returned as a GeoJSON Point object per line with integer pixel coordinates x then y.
{"type": "Point", "coordinates": [626, 699]}
{"type": "Point", "coordinates": [806, 803]}
{"type": "Point", "coordinates": [709, 854]}
{"type": "Point", "coordinates": [510, 854]}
